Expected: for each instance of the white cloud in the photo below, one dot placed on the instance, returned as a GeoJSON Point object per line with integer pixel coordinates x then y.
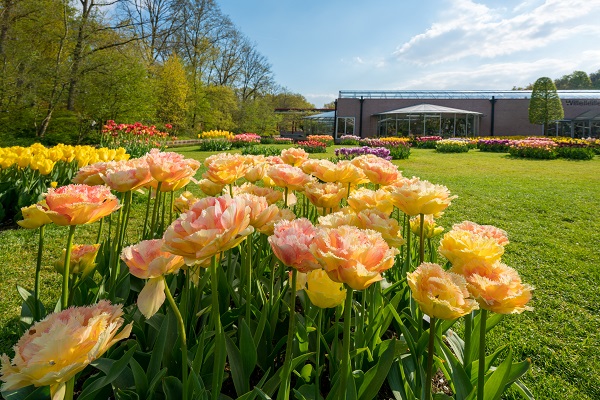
{"type": "Point", "coordinates": [501, 75]}
{"type": "Point", "coordinates": [472, 29]}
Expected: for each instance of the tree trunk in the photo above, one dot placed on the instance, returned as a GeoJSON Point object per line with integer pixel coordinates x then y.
{"type": "Point", "coordinates": [77, 53]}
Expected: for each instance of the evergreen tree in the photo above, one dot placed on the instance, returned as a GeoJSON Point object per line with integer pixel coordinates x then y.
{"type": "Point", "coordinates": [544, 105]}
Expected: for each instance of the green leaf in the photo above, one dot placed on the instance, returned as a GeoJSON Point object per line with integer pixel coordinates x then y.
{"type": "Point", "coordinates": [272, 384]}
{"type": "Point", "coordinates": [249, 348]}
{"type": "Point", "coordinates": [28, 393]}
{"type": "Point", "coordinates": [494, 386]}
{"type": "Point", "coordinates": [172, 388]}
{"type": "Point", "coordinates": [237, 367]}
{"type": "Point", "coordinates": [126, 395]}
{"type": "Point", "coordinates": [158, 349]}
{"type": "Point", "coordinates": [112, 370]}
{"type": "Point", "coordinates": [375, 377]}
{"type": "Point", "coordinates": [139, 377]}
{"type": "Point", "coordinates": [460, 379]}
{"type": "Point", "coordinates": [517, 370]}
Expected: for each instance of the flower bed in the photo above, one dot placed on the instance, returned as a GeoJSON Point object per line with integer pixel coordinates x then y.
{"type": "Point", "coordinates": [203, 298]}
{"type": "Point", "coordinates": [494, 145]}
{"type": "Point", "coordinates": [348, 153]}
{"type": "Point", "coordinates": [426, 142]}
{"type": "Point", "coordinates": [313, 146]}
{"type": "Point", "coordinates": [137, 139]}
{"type": "Point", "coordinates": [349, 140]}
{"type": "Point", "coordinates": [452, 146]}
{"type": "Point", "coordinates": [538, 148]}
{"type": "Point", "coordinates": [399, 147]}
{"type": "Point", "coordinates": [245, 139]}
{"type": "Point", "coordinates": [327, 139]}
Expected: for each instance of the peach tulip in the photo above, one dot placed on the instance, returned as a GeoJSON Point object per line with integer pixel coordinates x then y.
{"type": "Point", "coordinates": [212, 225]}
{"type": "Point", "coordinates": [497, 287]}
{"type": "Point", "coordinates": [83, 259]}
{"type": "Point", "coordinates": [261, 213]}
{"type": "Point", "coordinates": [461, 247]}
{"type": "Point", "coordinates": [484, 230]}
{"type": "Point", "coordinates": [440, 294]}
{"type": "Point", "coordinates": [380, 222]}
{"type": "Point", "coordinates": [184, 201]}
{"type": "Point", "coordinates": [210, 188]}
{"type": "Point", "coordinates": [415, 197]}
{"type": "Point", "coordinates": [363, 198]}
{"type": "Point", "coordinates": [53, 350]}
{"type": "Point", "coordinates": [284, 175]}
{"type": "Point", "coordinates": [169, 166]}
{"type": "Point", "coordinates": [346, 172]}
{"type": "Point", "coordinates": [272, 195]}
{"type": "Point", "coordinates": [430, 228]}
{"type": "Point", "coordinates": [147, 260]}
{"type": "Point", "coordinates": [324, 170]}
{"type": "Point", "coordinates": [325, 195]}
{"type": "Point", "coordinates": [353, 256]}
{"type": "Point", "coordinates": [284, 214]}
{"type": "Point", "coordinates": [124, 176]}
{"type": "Point", "coordinates": [294, 156]}
{"type": "Point", "coordinates": [225, 168]}
{"type": "Point", "coordinates": [291, 242]}
{"type": "Point", "coordinates": [79, 204]}
{"type": "Point", "coordinates": [343, 217]}
{"type": "Point", "coordinates": [91, 174]}
{"type": "Point", "coordinates": [378, 171]}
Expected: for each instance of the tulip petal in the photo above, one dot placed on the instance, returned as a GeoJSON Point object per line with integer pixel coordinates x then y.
{"type": "Point", "coordinates": [152, 297]}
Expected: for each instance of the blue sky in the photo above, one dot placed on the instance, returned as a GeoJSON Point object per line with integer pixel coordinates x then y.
{"type": "Point", "coordinates": [317, 48]}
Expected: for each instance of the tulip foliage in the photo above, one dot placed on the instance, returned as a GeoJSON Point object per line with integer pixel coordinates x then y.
{"type": "Point", "coordinates": [288, 278]}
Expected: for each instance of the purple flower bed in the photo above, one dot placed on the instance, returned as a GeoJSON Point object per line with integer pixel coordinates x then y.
{"type": "Point", "coordinates": [494, 145]}
{"type": "Point", "coordinates": [348, 153]}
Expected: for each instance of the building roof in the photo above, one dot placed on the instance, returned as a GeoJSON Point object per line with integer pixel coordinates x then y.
{"type": "Point", "coordinates": [428, 109]}
{"type": "Point", "coordinates": [323, 116]}
{"type": "Point", "coordinates": [460, 94]}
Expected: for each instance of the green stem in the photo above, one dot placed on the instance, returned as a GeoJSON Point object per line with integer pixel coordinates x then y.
{"type": "Point", "coordinates": [70, 389]}
{"type": "Point", "coordinates": [113, 251]}
{"type": "Point", "coordinates": [285, 196]}
{"type": "Point", "coordinates": [248, 277]}
{"type": "Point", "coordinates": [121, 238]}
{"type": "Point", "coordinates": [155, 210]}
{"type": "Point", "coordinates": [284, 389]}
{"type": "Point", "coordinates": [408, 251]}
{"type": "Point", "coordinates": [422, 239]}
{"type": "Point", "coordinates": [345, 371]}
{"type": "Point", "coordinates": [171, 208]}
{"type": "Point", "coordinates": [218, 329]}
{"type": "Point", "coordinates": [468, 331]}
{"type": "Point", "coordinates": [481, 373]}
{"type": "Point", "coordinates": [430, 358]}
{"type": "Point", "coordinates": [182, 337]}
{"type": "Point", "coordinates": [147, 213]}
{"type": "Point", "coordinates": [65, 287]}
{"type": "Point", "coordinates": [99, 236]}
{"type": "Point", "coordinates": [38, 268]}
{"type": "Point", "coordinates": [318, 354]}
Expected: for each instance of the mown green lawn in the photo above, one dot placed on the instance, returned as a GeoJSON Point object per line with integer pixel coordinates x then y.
{"type": "Point", "coordinates": [551, 212]}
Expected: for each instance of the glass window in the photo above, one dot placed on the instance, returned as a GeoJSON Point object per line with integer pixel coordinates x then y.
{"type": "Point", "coordinates": [345, 126]}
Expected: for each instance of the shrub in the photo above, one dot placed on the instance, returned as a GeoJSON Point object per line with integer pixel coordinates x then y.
{"type": "Point", "coordinates": [349, 140]}
{"type": "Point", "coordinates": [261, 150]}
{"type": "Point", "coordinates": [215, 144]}
{"type": "Point", "coordinates": [575, 153]}
{"type": "Point", "coordinates": [313, 146]}
{"type": "Point", "coordinates": [452, 146]}
{"type": "Point", "coordinates": [267, 140]}
{"type": "Point", "coordinates": [494, 145]}
{"type": "Point", "coordinates": [327, 139]}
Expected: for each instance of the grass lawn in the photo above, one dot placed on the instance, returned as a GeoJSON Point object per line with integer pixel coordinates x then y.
{"type": "Point", "coordinates": [550, 211]}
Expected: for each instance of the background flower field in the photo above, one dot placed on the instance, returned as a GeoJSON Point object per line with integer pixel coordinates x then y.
{"type": "Point", "coordinates": [549, 210]}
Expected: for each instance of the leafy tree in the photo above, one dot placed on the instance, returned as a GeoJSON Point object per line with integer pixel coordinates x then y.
{"type": "Point", "coordinates": [172, 89]}
{"type": "Point", "coordinates": [258, 116]}
{"type": "Point", "coordinates": [330, 105]}
{"type": "Point", "coordinates": [578, 80]}
{"type": "Point", "coordinates": [544, 105]}
{"type": "Point", "coordinates": [595, 79]}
